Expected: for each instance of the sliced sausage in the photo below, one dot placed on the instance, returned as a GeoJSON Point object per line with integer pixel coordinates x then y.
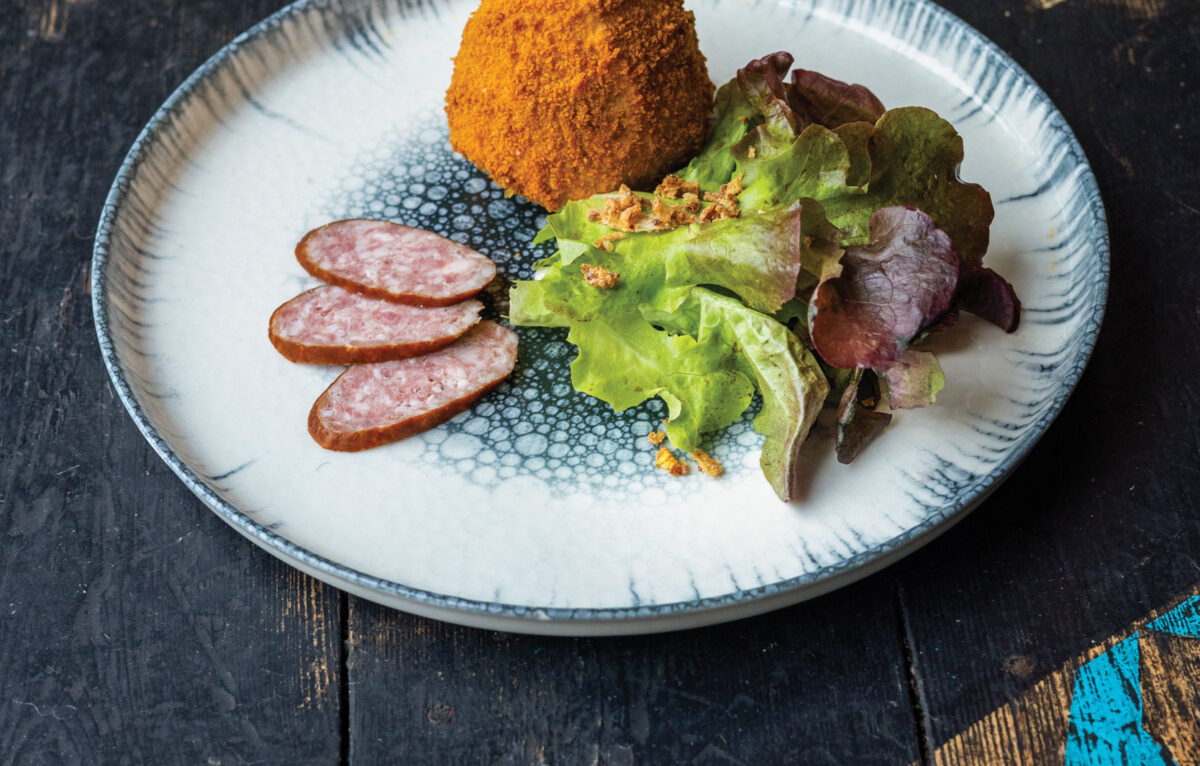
{"type": "Point", "coordinates": [329, 325]}
{"type": "Point", "coordinates": [393, 262]}
{"type": "Point", "coordinates": [374, 404]}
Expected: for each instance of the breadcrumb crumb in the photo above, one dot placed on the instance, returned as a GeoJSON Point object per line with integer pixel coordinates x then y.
{"type": "Point", "coordinates": [598, 276]}
{"type": "Point", "coordinates": [656, 437]}
{"type": "Point", "coordinates": [725, 204]}
{"type": "Point", "coordinates": [674, 187]}
{"type": "Point", "coordinates": [666, 460]}
{"type": "Point", "coordinates": [622, 211]}
{"type": "Point", "coordinates": [707, 463]}
{"type": "Point", "coordinates": [669, 216]}
{"type": "Point", "coordinates": [605, 243]}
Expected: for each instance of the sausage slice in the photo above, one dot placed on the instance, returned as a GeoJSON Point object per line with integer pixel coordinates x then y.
{"type": "Point", "coordinates": [397, 263]}
{"type": "Point", "coordinates": [374, 404]}
{"type": "Point", "coordinates": [329, 325]}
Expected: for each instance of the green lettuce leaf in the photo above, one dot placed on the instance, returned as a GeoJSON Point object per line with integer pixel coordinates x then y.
{"type": "Point", "coordinates": [704, 315]}
{"type": "Point", "coordinates": [788, 377]}
{"type": "Point", "coordinates": [735, 117]}
{"type": "Point", "coordinates": [625, 361]}
{"type": "Point", "coordinates": [915, 156]}
{"type": "Point", "coordinates": [757, 257]}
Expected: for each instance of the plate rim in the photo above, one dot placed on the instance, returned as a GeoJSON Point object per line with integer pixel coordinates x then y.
{"type": "Point", "coordinates": [597, 620]}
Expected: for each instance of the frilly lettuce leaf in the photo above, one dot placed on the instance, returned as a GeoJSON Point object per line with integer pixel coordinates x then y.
{"type": "Point", "coordinates": [831, 141]}
{"type": "Point", "coordinates": [816, 165]}
{"type": "Point", "coordinates": [757, 257]}
{"type": "Point", "coordinates": [832, 103]}
{"type": "Point", "coordinates": [624, 361]}
{"type": "Point", "coordinates": [762, 82]}
{"type": "Point", "coordinates": [788, 377]}
{"type": "Point", "coordinates": [858, 423]}
{"type": "Point", "coordinates": [735, 117]}
{"type": "Point", "coordinates": [915, 156]}
{"type": "Point", "coordinates": [914, 380]}
{"type": "Point", "coordinates": [660, 332]}
{"type": "Point", "coordinates": [986, 294]}
{"type": "Point", "coordinates": [889, 289]}
{"type": "Point", "coordinates": [855, 237]}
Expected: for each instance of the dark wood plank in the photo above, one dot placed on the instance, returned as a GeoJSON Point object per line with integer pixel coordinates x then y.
{"type": "Point", "coordinates": [1102, 522]}
{"type": "Point", "coordinates": [820, 683]}
{"type": "Point", "coordinates": [135, 627]}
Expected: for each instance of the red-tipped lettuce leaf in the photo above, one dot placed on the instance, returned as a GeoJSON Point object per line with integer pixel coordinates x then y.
{"type": "Point", "coordinates": [831, 102]}
{"type": "Point", "coordinates": [915, 156]}
{"type": "Point", "coordinates": [762, 83]}
{"type": "Point", "coordinates": [856, 136]}
{"type": "Point", "coordinates": [858, 423]}
{"type": "Point", "coordinates": [914, 380]}
{"type": "Point", "coordinates": [889, 289]}
{"type": "Point", "coordinates": [988, 295]}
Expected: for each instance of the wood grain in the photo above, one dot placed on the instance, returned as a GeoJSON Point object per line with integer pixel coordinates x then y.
{"type": "Point", "coordinates": [823, 683]}
{"type": "Point", "coordinates": [1102, 521]}
{"type": "Point", "coordinates": [135, 627]}
{"type": "Point", "coordinates": [1171, 692]}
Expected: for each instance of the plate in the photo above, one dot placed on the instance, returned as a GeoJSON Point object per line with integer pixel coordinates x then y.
{"type": "Point", "coordinates": [539, 510]}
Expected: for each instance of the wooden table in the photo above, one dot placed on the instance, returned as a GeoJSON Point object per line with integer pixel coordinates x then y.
{"type": "Point", "coordinates": [135, 627]}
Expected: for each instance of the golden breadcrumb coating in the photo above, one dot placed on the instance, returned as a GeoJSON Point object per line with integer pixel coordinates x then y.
{"type": "Point", "coordinates": [560, 101]}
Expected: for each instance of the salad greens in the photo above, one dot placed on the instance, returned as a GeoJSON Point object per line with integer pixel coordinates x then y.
{"type": "Point", "coordinates": [810, 244]}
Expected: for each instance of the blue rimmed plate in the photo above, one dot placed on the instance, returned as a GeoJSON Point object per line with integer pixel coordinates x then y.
{"type": "Point", "coordinates": [539, 510]}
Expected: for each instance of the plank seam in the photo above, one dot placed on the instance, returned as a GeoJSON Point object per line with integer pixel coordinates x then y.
{"type": "Point", "coordinates": [344, 678]}
{"type": "Point", "coordinates": [921, 721]}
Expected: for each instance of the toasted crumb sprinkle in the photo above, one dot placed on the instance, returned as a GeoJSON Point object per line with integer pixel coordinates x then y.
{"type": "Point", "coordinates": [598, 276]}
{"type": "Point", "coordinates": [622, 211]}
{"type": "Point", "coordinates": [725, 204]}
{"type": "Point", "coordinates": [628, 212]}
{"type": "Point", "coordinates": [674, 187]}
{"type": "Point", "coordinates": [605, 243]}
{"type": "Point", "coordinates": [666, 460]}
{"type": "Point", "coordinates": [656, 437]}
{"type": "Point", "coordinates": [707, 463]}
{"type": "Point", "coordinates": [669, 216]}
{"type": "Point", "coordinates": [630, 217]}
{"type": "Point", "coordinates": [752, 153]}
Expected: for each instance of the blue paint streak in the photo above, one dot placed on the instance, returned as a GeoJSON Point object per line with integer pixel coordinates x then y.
{"type": "Point", "coordinates": [1106, 713]}
{"type": "Point", "coordinates": [1183, 620]}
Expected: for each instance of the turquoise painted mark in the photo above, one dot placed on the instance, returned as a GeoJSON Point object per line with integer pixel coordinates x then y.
{"type": "Point", "coordinates": [1106, 713]}
{"type": "Point", "coordinates": [1183, 620]}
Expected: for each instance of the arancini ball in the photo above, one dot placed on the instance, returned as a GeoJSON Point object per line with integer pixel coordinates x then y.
{"type": "Point", "coordinates": [560, 101]}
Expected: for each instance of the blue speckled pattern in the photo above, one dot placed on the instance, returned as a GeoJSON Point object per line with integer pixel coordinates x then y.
{"type": "Point", "coordinates": [536, 424]}
{"type": "Point", "coordinates": [238, 164]}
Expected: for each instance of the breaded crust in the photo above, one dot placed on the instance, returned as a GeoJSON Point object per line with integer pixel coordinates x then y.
{"type": "Point", "coordinates": [559, 101]}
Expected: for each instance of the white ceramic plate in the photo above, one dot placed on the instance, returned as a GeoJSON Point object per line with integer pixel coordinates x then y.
{"type": "Point", "coordinates": [539, 510]}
